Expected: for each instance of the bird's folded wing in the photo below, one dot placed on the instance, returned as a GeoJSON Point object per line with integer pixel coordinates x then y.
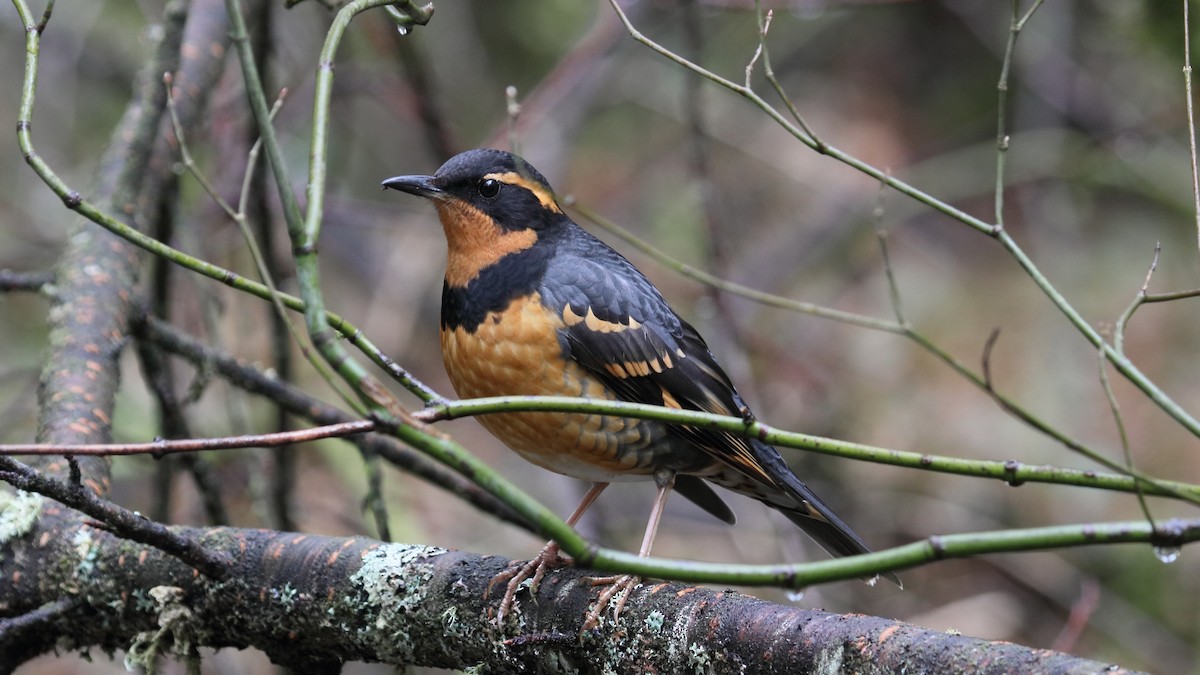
{"type": "Point", "coordinates": [618, 327]}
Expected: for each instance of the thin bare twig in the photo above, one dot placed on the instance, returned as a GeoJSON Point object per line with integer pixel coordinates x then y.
{"type": "Point", "coordinates": [764, 25]}
{"type": "Point", "coordinates": [692, 272]}
{"type": "Point", "coordinates": [1191, 117]}
{"type": "Point", "coordinates": [986, 360]}
{"type": "Point", "coordinates": [1138, 300]}
{"type": "Point", "coordinates": [1044, 428]}
{"type": "Point", "coordinates": [1115, 407]}
{"type": "Point", "coordinates": [373, 501]}
{"type": "Point", "coordinates": [161, 447]}
{"type": "Point", "coordinates": [512, 109]}
{"type": "Point", "coordinates": [24, 281]}
{"type": "Point", "coordinates": [11, 628]}
{"type": "Point", "coordinates": [280, 466]}
{"type": "Point", "coordinates": [123, 522]}
{"type": "Point", "coordinates": [1081, 612]}
{"type": "Point", "coordinates": [238, 216]}
{"type": "Point", "coordinates": [882, 235]}
{"type": "Point", "coordinates": [762, 34]}
{"type": "Point", "coordinates": [1018, 22]}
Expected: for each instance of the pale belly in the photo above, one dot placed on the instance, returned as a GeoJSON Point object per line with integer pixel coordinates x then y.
{"type": "Point", "coordinates": [516, 352]}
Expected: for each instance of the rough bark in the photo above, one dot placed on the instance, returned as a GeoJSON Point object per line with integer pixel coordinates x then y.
{"type": "Point", "coordinates": [315, 602]}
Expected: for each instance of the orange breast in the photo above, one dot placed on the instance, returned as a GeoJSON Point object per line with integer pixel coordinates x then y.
{"type": "Point", "coordinates": [516, 352]}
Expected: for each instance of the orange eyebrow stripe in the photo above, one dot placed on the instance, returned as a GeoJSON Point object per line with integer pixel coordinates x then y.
{"type": "Point", "coordinates": [543, 195]}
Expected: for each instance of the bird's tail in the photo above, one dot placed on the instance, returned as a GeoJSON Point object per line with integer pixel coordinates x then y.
{"type": "Point", "coordinates": [823, 525]}
{"type": "Point", "coordinates": [791, 497]}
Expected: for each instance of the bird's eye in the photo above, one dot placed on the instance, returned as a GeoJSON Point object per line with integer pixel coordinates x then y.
{"type": "Point", "coordinates": [489, 188]}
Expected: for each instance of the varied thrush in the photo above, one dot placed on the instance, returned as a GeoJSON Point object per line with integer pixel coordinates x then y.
{"type": "Point", "coordinates": [534, 305]}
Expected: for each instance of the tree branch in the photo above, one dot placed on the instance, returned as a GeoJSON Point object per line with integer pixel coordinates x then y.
{"type": "Point", "coordinates": [309, 601]}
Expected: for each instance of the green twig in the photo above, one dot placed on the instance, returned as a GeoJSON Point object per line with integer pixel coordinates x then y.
{"type": "Point", "coordinates": [1119, 361]}
{"type": "Point", "coordinates": [1173, 295]}
{"type": "Point", "coordinates": [1038, 424]}
{"type": "Point", "coordinates": [1174, 534]}
{"type": "Point", "coordinates": [304, 249]}
{"type": "Point", "coordinates": [940, 547]}
{"type": "Point", "coordinates": [1012, 472]}
{"type": "Point", "coordinates": [406, 15]}
{"type": "Point", "coordinates": [1145, 297]}
{"type": "Point", "coordinates": [306, 232]}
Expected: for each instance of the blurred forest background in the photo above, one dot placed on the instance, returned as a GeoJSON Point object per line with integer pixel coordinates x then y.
{"type": "Point", "coordinates": [1098, 172]}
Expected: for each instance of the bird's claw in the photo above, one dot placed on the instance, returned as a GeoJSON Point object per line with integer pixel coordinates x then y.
{"type": "Point", "coordinates": [617, 586]}
{"type": "Point", "coordinates": [516, 576]}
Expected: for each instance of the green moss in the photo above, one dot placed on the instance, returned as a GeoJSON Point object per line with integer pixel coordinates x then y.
{"type": "Point", "coordinates": [394, 580]}
{"type": "Point", "coordinates": [698, 657]}
{"type": "Point", "coordinates": [451, 627]}
{"type": "Point", "coordinates": [286, 595]}
{"type": "Point", "coordinates": [178, 632]}
{"type": "Point", "coordinates": [88, 551]}
{"type": "Point", "coordinates": [18, 513]}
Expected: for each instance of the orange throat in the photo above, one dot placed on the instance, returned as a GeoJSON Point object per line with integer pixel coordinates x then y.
{"type": "Point", "coordinates": [475, 241]}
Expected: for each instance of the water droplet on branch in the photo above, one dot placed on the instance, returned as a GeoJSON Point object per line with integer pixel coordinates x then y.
{"type": "Point", "coordinates": [1167, 554]}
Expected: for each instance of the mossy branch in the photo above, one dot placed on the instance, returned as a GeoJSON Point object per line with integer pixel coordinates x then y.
{"type": "Point", "coordinates": [313, 602]}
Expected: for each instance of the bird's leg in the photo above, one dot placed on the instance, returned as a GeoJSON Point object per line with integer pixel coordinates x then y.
{"type": "Point", "coordinates": [517, 573]}
{"type": "Point", "coordinates": [623, 584]}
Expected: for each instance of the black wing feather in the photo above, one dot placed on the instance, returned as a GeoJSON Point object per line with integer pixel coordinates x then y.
{"type": "Point", "coordinates": [621, 329]}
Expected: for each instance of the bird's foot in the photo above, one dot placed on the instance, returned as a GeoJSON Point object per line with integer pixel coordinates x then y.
{"type": "Point", "coordinates": [517, 574]}
{"type": "Point", "coordinates": [619, 588]}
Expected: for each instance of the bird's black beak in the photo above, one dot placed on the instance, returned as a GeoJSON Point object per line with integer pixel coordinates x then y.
{"type": "Point", "coordinates": [421, 186]}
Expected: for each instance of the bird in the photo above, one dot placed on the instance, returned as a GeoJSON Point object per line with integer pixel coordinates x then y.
{"type": "Point", "coordinates": [533, 304]}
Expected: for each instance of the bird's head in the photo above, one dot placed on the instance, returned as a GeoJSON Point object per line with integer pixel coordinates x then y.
{"type": "Point", "coordinates": [491, 204]}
